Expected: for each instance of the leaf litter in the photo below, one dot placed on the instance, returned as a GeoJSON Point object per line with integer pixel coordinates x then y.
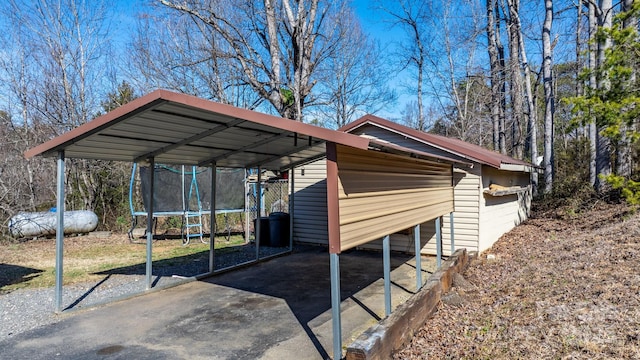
{"type": "Point", "coordinates": [559, 286]}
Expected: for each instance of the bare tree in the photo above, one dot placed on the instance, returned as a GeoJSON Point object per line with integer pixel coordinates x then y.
{"type": "Point", "coordinates": [592, 63]}
{"type": "Point", "coordinates": [549, 100]}
{"type": "Point", "coordinates": [279, 44]}
{"type": "Point", "coordinates": [603, 143]}
{"type": "Point", "coordinates": [354, 78]}
{"type": "Point", "coordinates": [496, 77]}
{"type": "Point", "coordinates": [532, 124]}
{"type": "Point", "coordinates": [177, 53]}
{"type": "Point", "coordinates": [410, 15]}
{"type": "Point", "coordinates": [623, 143]}
{"type": "Point", "coordinates": [60, 49]}
{"type": "Point", "coordinates": [516, 84]}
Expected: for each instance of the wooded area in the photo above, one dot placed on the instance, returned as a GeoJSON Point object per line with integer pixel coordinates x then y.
{"type": "Point", "coordinates": [551, 82]}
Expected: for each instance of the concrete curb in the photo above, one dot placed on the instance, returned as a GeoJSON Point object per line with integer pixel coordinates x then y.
{"type": "Point", "coordinates": [392, 332]}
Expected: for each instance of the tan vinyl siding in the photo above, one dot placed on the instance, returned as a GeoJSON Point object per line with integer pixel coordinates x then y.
{"type": "Point", "coordinates": [380, 194]}
{"type": "Point", "coordinates": [310, 205]}
{"type": "Point", "coordinates": [499, 214]}
{"type": "Point", "coordinates": [466, 229]}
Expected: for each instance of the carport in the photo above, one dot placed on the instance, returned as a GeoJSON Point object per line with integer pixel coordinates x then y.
{"type": "Point", "coordinates": [362, 174]}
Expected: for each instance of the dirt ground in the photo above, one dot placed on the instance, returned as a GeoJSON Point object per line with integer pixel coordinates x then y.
{"type": "Point", "coordinates": [560, 286]}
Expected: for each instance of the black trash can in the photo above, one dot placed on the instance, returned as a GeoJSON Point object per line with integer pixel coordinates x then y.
{"type": "Point", "coordinates": [264, 231]}
{"type": "Point", "coordinates": [279, 229]}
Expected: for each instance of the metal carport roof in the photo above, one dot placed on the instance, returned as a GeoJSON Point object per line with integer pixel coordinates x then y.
{"type": "Point", "coordinates": [172, 128]}
{"type": "Point", "coordinates": [181, 129]}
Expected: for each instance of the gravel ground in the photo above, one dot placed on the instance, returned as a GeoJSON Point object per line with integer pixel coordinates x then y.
{"type": "Point", "coordinates": [27, 309]}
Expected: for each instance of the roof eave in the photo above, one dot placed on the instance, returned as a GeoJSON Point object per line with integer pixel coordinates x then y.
{"type": "Point", "coordinates": [516, 167]}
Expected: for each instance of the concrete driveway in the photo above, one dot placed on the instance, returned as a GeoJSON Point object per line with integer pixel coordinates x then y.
{"type": "Point", "coordinates": [279, 309]}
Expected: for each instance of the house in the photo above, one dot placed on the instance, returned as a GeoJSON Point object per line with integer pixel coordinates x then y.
{"type": "Point", "coordinates": [492, 192]}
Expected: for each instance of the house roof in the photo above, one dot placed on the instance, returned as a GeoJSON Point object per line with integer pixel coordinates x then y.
{"type": "Point", "coordinates": [175, 128]}
{"type": "Point", "coordinates": [453, 146]}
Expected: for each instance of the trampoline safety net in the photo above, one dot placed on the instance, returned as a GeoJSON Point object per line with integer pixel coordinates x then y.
{"type": "Point", "coordinates": [176, 190]}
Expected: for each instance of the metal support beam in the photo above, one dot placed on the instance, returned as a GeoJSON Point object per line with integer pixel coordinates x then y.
{"type": "Point", "coordinates": [247, 208]}
{"type": "Point", "coordinates": [416, 239]}
{"type": "Point", "coordinates": [59, 230]}
{"type": "Point", "coordinates": [453, 246]}
{"type": "Point", "coordinates": [438, 241]}
{"type": "Point", "coordinates": [334, 261]}
{"type": "Point", "coordinates": [386, 261]}
{"type": "Point", "coordinates": [212, 226]}
{"type": "Point", "coordinates": [152, 165]}
{"type": "Point", "coordinates": [258, 212]}
{"type": "Point", "coordinates": [292, 182]}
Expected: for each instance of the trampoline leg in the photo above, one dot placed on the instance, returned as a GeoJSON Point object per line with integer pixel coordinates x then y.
{"type": "Point", "coordinates": [134, 223]}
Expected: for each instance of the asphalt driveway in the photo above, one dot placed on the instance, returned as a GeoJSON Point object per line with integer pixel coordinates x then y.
{"type": "Point", "coordinates": [279, 309]}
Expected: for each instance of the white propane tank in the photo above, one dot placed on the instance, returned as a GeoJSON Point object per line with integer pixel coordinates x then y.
{"type": "Point", "coordinates": [30, 224]}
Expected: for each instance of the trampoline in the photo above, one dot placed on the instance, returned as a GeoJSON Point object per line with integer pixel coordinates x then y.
{"type": "Point", "coordinates": [185, 191]}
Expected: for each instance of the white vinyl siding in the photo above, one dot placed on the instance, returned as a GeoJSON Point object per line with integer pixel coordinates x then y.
{"type": "Point", "coordinates": [499, 214]}
{"type": "Point", "coordinates": [310, 205]}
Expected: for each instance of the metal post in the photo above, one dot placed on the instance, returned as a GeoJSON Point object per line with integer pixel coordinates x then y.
{"type": "Point", "coordinates": [59, 230]}
{"type": "Point", "coordinates": [152, 170]}
{"type": "Point", "coordinates": [292, 181]}
{"type": "Point", "coordinates": [247, 209]}
{"type": "Point", "coordinates": [212, 226]}
{"type": "Point", "coordinates": [258, 212]}
{"type": "Point", "coordinates": [416, 239]}
{"type": "Point", "coordinates": [453, 246]}
{"type": "Point", "coordinates": [386, 261]}
{"type": "Point", "coordinates": [334, 261]}
{"type": "Point", "coordinates": [438, 242]}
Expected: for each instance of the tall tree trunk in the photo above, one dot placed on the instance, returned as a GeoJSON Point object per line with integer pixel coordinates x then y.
{"type": "Point", "coordinates": [531, 108]}
{"type": "Point", "coordinates": [496, 81]}
{"type": "Point", "coordinates": [593, 128]}
{"type": "Point", "coordinates": [603, 144]}
{"type": "Point", "coordinates": [623, 149]}
{"type": "Point", "coordinates": [548, 96]}
{"type": "Point", "coordinates": [503, 85]}
{"type": "Point", "coordinates": [517, 100]}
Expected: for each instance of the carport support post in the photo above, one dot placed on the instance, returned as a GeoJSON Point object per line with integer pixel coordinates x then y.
{"type": "Point", "coordinates": [386, 260]}
{"type": "Point", "coordinates": [292, 181]}
{"type": "Point", "coordinates": [258, 212]}
{"type": "Point", "coordinates": [212, 226]}
{"type": "Point", "coordinates": [416, 239]}
{"type": "Point", "coordinates": [334, 262]}
{"type": "Point", "coordinates": [438, 242]}
{"type": "Point", "coordinates": [59, 230]}
{"type": "Point", "coordinates": [152, 170]}
{"type": "Point", "coordinates": [453, 246]}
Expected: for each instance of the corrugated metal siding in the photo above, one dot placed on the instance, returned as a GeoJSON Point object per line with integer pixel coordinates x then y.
{"type": "Point", "coordinates": [310, 205]}
{"type": "Point", "coordinates": [381, 194]}
{"type": "Point", "coordinates": [500, 214]}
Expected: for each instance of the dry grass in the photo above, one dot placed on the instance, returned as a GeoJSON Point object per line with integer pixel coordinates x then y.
{"type": "Point", "coordinates": [564, 285]}
{"type": "Point", "coordinates": [31, 264]}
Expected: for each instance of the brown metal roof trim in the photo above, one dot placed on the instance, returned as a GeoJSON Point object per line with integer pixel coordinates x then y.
{"type": "Point", "coordinates": [161, 96]}
{"type": "Point", "coordinates": [383, 145]}
{"type": "Point", "coordinates": [454, 146]}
